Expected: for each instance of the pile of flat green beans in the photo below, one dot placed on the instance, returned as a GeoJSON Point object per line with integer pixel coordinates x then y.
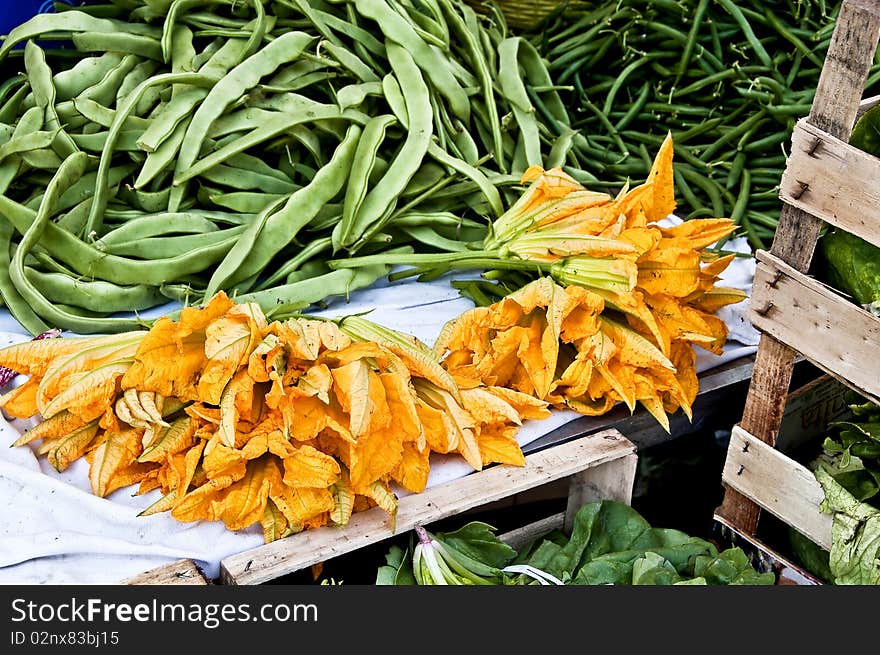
{"type": "Point", "coordinates": [170, 149]}
{"type": "Point", "coordinates": [728, 78]}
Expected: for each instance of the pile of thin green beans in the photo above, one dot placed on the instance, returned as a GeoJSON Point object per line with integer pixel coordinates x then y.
{"type": "Point", "coordinates": [169, 149]}
{"type": "Point", "coordinates": [728, 78]}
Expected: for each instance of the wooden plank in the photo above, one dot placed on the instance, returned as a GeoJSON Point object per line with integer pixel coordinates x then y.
{"type": "Point", "coordinates": [777, 483]}
{"type": "Point", "coordinates": [182, 572]}
{"type": "Point", "coordinates": [763, 557]}
{"type": "Point", "coordinates": [611, 481]}
{"type": "Point", "coordinates": [845, 71]}
{"type": "Point", "coordinates": [522, 537]}
{"type": "Point", "coordinates": [833, 181]}
{"type": "Point", "coordinates": [838, 336]}
{"type": "Point", "coordinates": [764, 407]}
{"type": "Point", "coordinates": [372, 526]}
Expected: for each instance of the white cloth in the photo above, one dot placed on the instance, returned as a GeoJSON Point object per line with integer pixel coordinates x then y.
{"type": "Point", "coordinates": [53, 530]}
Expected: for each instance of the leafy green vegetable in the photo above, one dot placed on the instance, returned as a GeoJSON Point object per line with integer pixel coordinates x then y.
{"type": "Point", "coordinates": [477, 541]}
{"type": "Point", "coordinates": [855, 534]}
{"type": "Point", "coordinates": [851, 454]}
{"type": "Point", "coordinates": [396, 570]}
{"type": "Point", "coordinates": [731, 567]}
{"type": "Point", "coordinates": [812, 556]}
{"type": "Point", "coordinates": [610, 543]}
{"type": "Point", "coordinates": [866, 134]}
{"type": "Point", "coordinates": [852, 265]}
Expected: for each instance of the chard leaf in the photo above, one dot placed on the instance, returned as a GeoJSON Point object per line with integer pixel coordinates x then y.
{"type": "Point", "coordinates": [477, 540]}
{"type": "Point", "coordinates": [855, 534]}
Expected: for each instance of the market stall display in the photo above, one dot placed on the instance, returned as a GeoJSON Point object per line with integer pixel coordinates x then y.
{"type": "Point", "coordinates": [798, 315]}
{"type": "Point", "coordinates": [220, 189]}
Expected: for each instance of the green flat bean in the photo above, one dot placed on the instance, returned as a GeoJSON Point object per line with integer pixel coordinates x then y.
{"type": "Point", "coordinates": [43, 25]}
{"type": "Point", "coordinates": [70, 170]}
{"type": "Point", "coordinates": [153, 225]}
{"type": "Point", "coordinates": [40, 78]}
{"type": "Point", "coordinates": [27, 142]}
{"type": "Point", "coordinates": [13, 300]}
{"type": "Point", "coordinates": [12, 106]}
{"type": "Point", "coordinates": [96, 296]}
{"type": "Point", "coordinates": [283, 300]}
{"type": "Point", "coordinates": [241, 201]}
{"type": "Point", "coordinates": [89, 261]}
{"type": "Point", "coordinates": [126, 141]}
{"type": "Point", "coordinates": [161, 159]}
{"type": "Point", "coordinates": [278, 225]}
{"type": "Point", "coordinates": [103, 116]}
{"type": "Point", "coordinates": [163, 125]}
{"type": "Point", "coordinates": [238, 178]}
{"type": "Point", "coordinates": [133, 44]}
{"type": "Point", "coordinates": [295, 263]}
{"type": "Point", "coordinates": [427, 57]}
{"type": "Point", "coordinates": [246, 75]}
{"type": "Point", "coordinates": [358, 180]}
{"type": "Point", "coordinates": [514, 90]}
{"type": "Point", "coordinates": [269, 130]}
{"type": "Point", "coordinates": [350, 62]}
{"type": "Point", "coordinates": [165, 247]}
{"type": "Point", "coordinates": [87, 72]}
{"type": "Point", "coordinates": [99, 203]}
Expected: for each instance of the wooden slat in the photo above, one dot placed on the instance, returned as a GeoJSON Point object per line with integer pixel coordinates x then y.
{"type": "Point", "coordinates": [834, 181]}
{"type": "Point", "coordinates": [762, 556]}
{"type": "Point", "coordinates": [522, 537]}
{"type": "Point", "coordinates": [838, 336]}
{"type": "Point", "coordinates": [846, 67]}
{"type": "Point", "coordinates": [777, 483]}
{"type": "Point", "coordinates": [609, 482]}
{"type": "Point", "coordinates": [312, 546]}
{"type": "Point", "coordinates": [184, 572]}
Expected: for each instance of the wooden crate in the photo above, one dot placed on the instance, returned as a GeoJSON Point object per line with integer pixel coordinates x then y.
{"type": "Point", "coordinates": [826, 180]}
{"type": "Point", "coordinates": [181, 572]}
{"type": "Point", "coordinates": [767, 476]}
{"type": "Point", "coordinates": [601, 466]}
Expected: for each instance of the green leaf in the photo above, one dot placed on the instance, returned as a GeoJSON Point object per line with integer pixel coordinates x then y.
{"type": "Point", "coordinates": [866, 133]}
{"type": "Point", "coordinates": [811, 556]}
{"type": "Point", "coordinates": [852, 265]}
{"type": "Point", "coordinates": [735, 563]}
{"type": "Point", "coordinates": [397, 569]}
{"type": "Point", "coordinates": [855, 534]}
{"type": "Point", "coordinates": [653, 569]}
{"type": "Point", "coordinates": [477, 541]}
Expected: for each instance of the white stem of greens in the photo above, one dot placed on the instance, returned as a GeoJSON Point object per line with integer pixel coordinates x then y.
{"type": "Point", "coordinates": [541, 576]}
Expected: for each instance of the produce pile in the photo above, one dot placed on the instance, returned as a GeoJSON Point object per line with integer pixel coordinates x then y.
{"type": "Point", "coordinates": [609, 543]}
{"type": "Point", "coordinates": [298, 423]}
{"type": "Point", "coordinates": [197, 147]}
{"type": "Point", "coordinates": [618, 304]}
{"type": "Point", "coordinates": [728, 78]}
{"type": "Point", "coordinates": [848, 469]}
{"type": "Point", "coordinates": [291, 424]}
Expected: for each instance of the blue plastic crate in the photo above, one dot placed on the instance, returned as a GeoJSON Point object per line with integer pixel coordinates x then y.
{"type": "Point", "coordinates": [16, 12]}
